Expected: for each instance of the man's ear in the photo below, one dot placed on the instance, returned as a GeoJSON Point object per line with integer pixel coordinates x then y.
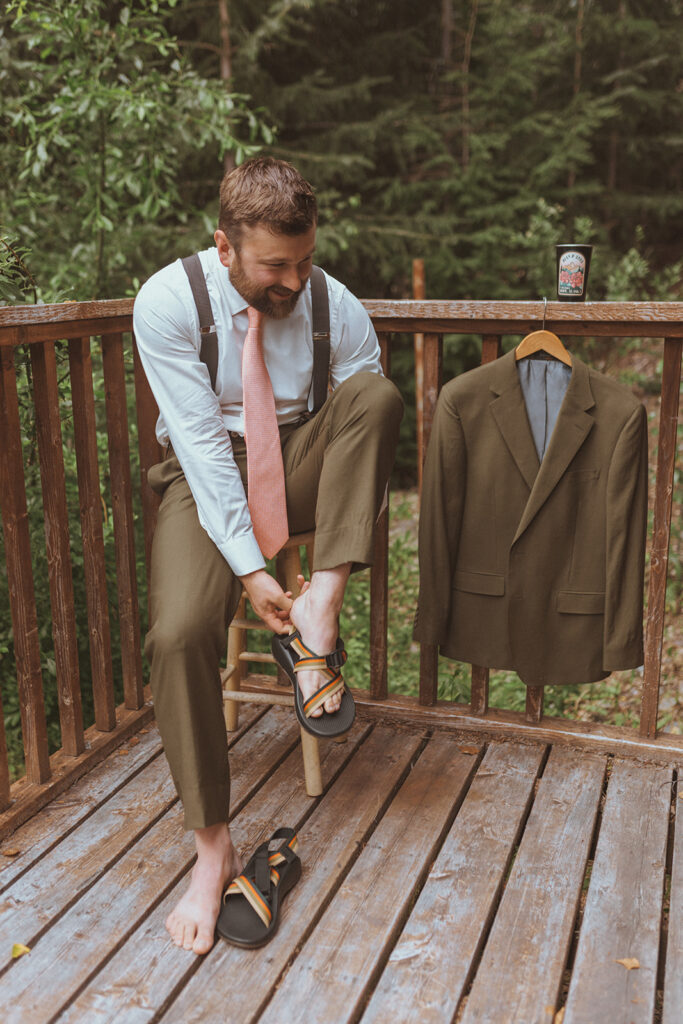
{"type": "Point", "coordinates": [226, 251]}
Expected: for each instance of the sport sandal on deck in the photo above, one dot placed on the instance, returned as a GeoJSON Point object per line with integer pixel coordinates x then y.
{"type": "Point", "coordinates": [293, 656]}
{"type": "Point", "coordinates": [251, 907]}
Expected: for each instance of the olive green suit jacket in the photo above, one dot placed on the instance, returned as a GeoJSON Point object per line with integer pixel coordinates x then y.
{"type": "Point", "coordinates": [528, 566]}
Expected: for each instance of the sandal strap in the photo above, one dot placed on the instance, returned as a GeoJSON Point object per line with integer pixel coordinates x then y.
{"type": "Point", "coordinates": [308, 659]}
{"type": "Point", "coordinates": [334, 685]}
{"type": "Point", "coordinates": [245, 887]}
{"type": "Point", "coordinates": [257, 895]}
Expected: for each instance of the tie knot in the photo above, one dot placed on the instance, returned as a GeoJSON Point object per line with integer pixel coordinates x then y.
{"type": "Point", "coordinates": [255, 317]}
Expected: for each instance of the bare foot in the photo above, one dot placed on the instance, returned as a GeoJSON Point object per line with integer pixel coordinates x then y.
{"type": "Point", "coordinates": [192, 923]}
{"type": "Point", "coordinates": [315, 613]}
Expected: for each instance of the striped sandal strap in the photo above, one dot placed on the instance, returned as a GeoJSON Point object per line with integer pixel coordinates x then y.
{"type": "Point", "coordinates": [243, 886]}
{"type": "Point", "coordinates": [334, 685]}
{"type": "Point", "coordinates": [308, 659]}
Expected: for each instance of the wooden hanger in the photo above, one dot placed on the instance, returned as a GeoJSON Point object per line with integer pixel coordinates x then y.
{"type": "Point", "coordinates": [543, 341]}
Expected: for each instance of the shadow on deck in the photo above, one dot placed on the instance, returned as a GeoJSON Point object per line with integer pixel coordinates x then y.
{"type": "Point", "coordinates": [445, 878]}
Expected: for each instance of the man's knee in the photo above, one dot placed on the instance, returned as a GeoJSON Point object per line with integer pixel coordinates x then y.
{"type": "Point", "coordinates": [377, 397]}
{"type": "Point", "coordinates": [181, 632]}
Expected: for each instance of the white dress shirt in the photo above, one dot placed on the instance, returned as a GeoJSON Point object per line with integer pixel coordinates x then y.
{"type": "Point", "coordinates": [196, 419]}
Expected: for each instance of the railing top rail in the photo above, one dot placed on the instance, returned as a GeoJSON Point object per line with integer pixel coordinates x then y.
{"type": "Point", "coordinates": [64, 312]}
{"type": "Point", "coordinates": [651, 319]}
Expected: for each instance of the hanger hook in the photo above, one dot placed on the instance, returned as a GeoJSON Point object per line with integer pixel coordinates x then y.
{"type": "Point", "coordinates": [545, 306]}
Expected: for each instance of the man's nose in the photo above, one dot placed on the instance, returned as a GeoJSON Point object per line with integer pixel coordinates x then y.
{"type": "Point", "coordinates": [291, 279]}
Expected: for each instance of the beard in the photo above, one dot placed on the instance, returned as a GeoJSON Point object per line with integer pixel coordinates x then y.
{"type": "Point", "coordinates": [257, 296]}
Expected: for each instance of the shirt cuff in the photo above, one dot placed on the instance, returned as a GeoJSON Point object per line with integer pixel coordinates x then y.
{"type": "Point", "coordinates": [243, 555]}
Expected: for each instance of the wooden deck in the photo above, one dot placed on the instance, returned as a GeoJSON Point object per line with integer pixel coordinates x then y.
{"type": "Point", "coordinates": [445, 878]}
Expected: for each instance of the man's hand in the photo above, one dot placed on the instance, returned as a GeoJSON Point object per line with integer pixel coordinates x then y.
{"type": "Point", "coordinates": [268, 600]}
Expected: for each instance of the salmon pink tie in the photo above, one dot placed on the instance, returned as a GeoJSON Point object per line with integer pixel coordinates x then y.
{"type": "Point", "coordinates": [265, 472]}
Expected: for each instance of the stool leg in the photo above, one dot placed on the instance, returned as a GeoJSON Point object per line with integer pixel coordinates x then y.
{"type": "Point", "coordinates": [237, 643]}
{"type": "Point", "coordinates": [291, 567]}
{"type": "Point", "coordinates": [311, 755]}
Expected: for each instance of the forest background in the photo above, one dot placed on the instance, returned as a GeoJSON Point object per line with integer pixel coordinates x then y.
{"type": "Point", "coordinates": [474, 134]}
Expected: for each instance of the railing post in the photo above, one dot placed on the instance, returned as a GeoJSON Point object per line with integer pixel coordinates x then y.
{"type": "Point", "coordinates": [418, 344]}
{"type": "Point", "coordinates": [379, 579]}
{"type": "Point", "coordinates": [20, 576]}
{"type": "Point", "coordinates": [44, 364]}
{"type": "Point", "coordinates": [150, 454]}
{"type": "Point", "coordinates": [122, 514]}
{"type": "Point", "coordinates": [90, 506]}
{"type": "Point", "coordinates": [433, 358]}
{"type": "Point", "coordinates": [661, 533]}
{"type": "Point", "coordinates": [479, 694]}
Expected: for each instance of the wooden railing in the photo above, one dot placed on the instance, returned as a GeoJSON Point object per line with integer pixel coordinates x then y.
{"type": "Point", "coordinates": [40, 327]}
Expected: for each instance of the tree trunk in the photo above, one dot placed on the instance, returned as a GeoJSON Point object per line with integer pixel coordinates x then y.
{"type": "Point", "coordinates": [447, 33]}
{"type": "Point", "coordinates": [613, 154]}
{"type": "Point", "coordinates": [578, 58]}
{"type": "Point", "coordinates": [226, 65]}
{"type": "Point", "coordinates": [465, 105]}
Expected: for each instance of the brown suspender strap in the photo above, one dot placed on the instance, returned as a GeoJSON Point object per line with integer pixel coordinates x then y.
{"type": "Point", "coordinates": [207, 328]}
{"type": "Point", "coordinates": [321, 337]}
{"type": "Point", "coordinates": [321, 327]}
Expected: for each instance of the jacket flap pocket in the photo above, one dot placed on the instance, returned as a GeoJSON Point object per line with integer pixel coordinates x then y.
{"type": "Point", "coordinates": [480, 583]}
{"type": "Point", "coordinates": [576, 603]}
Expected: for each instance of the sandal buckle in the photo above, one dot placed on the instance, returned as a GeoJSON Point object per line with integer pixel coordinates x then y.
{"type": "Point", "coordinates": [336, 659]}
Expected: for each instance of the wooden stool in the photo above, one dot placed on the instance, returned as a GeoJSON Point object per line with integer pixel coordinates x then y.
{"type": "Point", "coordinates": [288, 566]}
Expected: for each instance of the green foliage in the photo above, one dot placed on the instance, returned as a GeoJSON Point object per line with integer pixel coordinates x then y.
{"type": "Point", "coordinates": [104, 127]}
{"type": "Point", "coordinates": [450, 148]}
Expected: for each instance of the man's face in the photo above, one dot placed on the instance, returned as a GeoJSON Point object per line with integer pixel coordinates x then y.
{"type": "Point", "coordinates": [270, 270]}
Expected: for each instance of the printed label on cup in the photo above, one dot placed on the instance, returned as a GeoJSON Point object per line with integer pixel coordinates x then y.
{"type": "Point", "coordinates": [571, 274]}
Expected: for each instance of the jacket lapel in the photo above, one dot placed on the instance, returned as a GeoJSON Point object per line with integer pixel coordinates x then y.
{"type": "Point", "coordinates": [571, 430]}
{"type": "Point", "coordinates": [509, 412]}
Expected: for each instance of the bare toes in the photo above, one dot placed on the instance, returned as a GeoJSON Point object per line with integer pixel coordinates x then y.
{"type": "Point", "coordinates": [203, 942]}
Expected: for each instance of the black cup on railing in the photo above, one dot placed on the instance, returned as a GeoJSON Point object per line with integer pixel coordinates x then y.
{"type": "Point", "coordinates": [573, 264]}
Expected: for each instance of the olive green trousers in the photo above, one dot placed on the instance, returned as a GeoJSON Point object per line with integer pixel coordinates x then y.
{"type": "Point", "coordinates": [337, 465]}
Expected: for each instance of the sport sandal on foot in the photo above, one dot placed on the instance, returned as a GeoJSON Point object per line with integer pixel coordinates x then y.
{"type": "Point", "coordinates": [293, 656]}
{"type": "Point", "coordinates": [251, 907]}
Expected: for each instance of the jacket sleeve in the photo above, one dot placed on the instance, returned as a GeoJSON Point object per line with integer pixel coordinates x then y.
{"type": "Point", "coordinates": [626, 524]}
{"type": "Point", "coordinates": [441, 509]}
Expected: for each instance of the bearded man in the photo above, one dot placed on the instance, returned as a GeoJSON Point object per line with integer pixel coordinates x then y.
{"type": "Point", "coordinates": [208, 544]}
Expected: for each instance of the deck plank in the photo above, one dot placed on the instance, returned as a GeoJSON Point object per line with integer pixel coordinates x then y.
{"type": "Point", "coordinates": [624, 904]}
{"type": "Point", "coordinates": [149, 967]}
{"type": "Point", "coordinates": [333, 971]}
{"type": "Point", "coordinates": [55, 821]}
{"type": "Point", "coordinates": [431, 963]}
{"type": "Point", "coordinates": [92, 927]}
{"type": "Point", "coordinates": [45, 891]}
{"type": "Point", "coordinates": [330, 841]}
{"type": "Point", "coordinates": [520, 974]}
{"type": "Point", "coordinates": [673, 975]}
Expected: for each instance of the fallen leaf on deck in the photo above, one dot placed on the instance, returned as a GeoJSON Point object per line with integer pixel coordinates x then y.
{"type": "Point", "coordinates": [133, 740]}
{"type": "Point", "coordinates": [144, 730]}
{"type": "Point", "coordinates": [123, 750]}
{"type": "Point", "coordinates": [10, 853]}
{"type": "Point", "coordinates": [19, 950]}
{"type": "Point", "coordinates": [468, 750]}
{"type": "Point", "coordinates": [559, 1016]}
{"type": "Point", "coordinates": [629, 962]}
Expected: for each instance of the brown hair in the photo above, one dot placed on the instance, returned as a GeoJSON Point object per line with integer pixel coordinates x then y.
{"type": "Point", "coordinates": [267, 191]}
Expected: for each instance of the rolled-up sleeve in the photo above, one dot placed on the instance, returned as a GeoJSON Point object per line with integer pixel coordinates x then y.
{"type": "Point", "coordinates": [165, 326]}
